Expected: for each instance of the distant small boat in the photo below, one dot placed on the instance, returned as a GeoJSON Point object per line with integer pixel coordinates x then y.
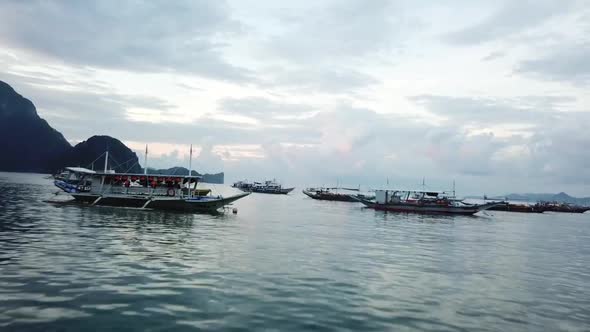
{"type": "Point", "coordinates": [541, 207]}
{"type": "Point", "coordinates": [429, 202]}
{"type": "Point", "coordinates": [563, 207]}
{"type": "Point", "coordinates": [523, 208]}
{"type": "Point", "coordinates": [266, 187]}
{"type": "Point", "coordinates": [335, 194]}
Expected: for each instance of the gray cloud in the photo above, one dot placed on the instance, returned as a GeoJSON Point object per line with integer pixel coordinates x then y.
{"type": "Point", "coordinates": [512, 18]}
{"type": "Point", "coordinates": [77, 114]}
{"type": "Point", "coordinates": [183, 36]}
{"type": "Point", "coordinates": [263, 109]}
{"type": "Point", "coordinates": [551, 151]}
{"type": "Point", "coordinates": [491, 111]}
{"type": "Point", "coordinates": [349, 28]}
{"type": "Point", "coordinates": [321, 49]}
{"type": "Point", "coordinates": [324, 80]}
{"type": "Point", "coordinates": [568, 63]}
{"type": "Point", "coordinates": [85, 111]}
{"type": "Point", "coordinates": [494, 55]}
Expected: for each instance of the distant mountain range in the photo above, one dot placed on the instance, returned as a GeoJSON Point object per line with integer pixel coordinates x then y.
{"type": "Point", "coordinates": [29, 144]}
{"type": "Point", "coordinates": [532, 197]}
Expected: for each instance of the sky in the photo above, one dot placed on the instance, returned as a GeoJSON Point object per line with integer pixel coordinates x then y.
{"type": "Point", "coordinates": [493, 95]}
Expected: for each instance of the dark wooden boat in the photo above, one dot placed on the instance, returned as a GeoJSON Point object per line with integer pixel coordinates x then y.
{"type": "Point", "coordinates": [328, 194]}
{"type": "Point", "coordinates": [563, 207]}
{"type": "Point", "coordinates": [509, 207]}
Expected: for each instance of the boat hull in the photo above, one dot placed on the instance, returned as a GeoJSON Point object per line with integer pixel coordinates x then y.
{"type": "Point", "coordinates": [329, 196]}
{"type": "Point", "coordinates": [518, 208]}
{"type": "Point", "coordinates": [566, 209]}
{"type": "Point", "coordinates": [282, 191]}
{"type": "Point", "coordinates": [195, 204]}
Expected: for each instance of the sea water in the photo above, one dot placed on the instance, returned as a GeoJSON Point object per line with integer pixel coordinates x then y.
{"type": "Point", "coordinates": [285, 263]}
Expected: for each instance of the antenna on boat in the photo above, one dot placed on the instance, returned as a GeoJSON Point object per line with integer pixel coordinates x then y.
{"type": "Point", "coordinates": [145, 160]}
{"type": "Point", "coordinates": [190, 170]}
{"type": "Point", "coordinates": [453, 188]}
{"type": "Point", "coordinates": [190, 161]}
{"type": "Point", "coordinates": [423, 184]}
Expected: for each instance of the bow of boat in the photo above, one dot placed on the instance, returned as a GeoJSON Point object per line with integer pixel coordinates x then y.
{"type": "Point", "coordinates": [487, 206]}
{"type": "Point", "coordinates": [365, 201]}
{"type": "Point", "coordinates": [308, 193]}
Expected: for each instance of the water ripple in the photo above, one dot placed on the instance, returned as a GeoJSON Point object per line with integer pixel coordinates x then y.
{"type": "Point", "coordinates": [285, 263]}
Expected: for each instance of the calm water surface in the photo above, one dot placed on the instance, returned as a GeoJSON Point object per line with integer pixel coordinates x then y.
{"type": "Point", "coordinates": [285, 263]}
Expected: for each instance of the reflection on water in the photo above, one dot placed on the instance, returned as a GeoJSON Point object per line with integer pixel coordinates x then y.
{"type": "Point", "coordinates": [285, 263]}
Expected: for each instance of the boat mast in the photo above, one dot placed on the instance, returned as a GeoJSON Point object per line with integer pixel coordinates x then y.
{"type": "Point", "coordinates": [106, 163]}
{"type": "Point", "coordinates": [453, 188]}
{"type": "Point", "coordinates": [190, 169]}
{"type": "Point", "coordinates": [145, 161]}
{"type": "Point", "coordinates": [190, 161]}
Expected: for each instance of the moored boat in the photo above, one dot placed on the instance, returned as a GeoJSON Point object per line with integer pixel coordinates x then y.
{"type": "Point", "coordinates": [429, 202]}
{"type": "Point", "coordinates": [523, 208]}
{"type": "Point", "coordinates": [146, 191]}
{"type": "Point", "coordinates": [335, 194]}
{"type": "Point", "coordinates": [162, 192]}
{"type": "Point", "coordinates": [563, 207]}
{"type": "Point", "coordinates": [266, 187]}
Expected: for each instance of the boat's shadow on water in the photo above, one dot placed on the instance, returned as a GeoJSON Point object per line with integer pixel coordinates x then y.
{"type": "Point", "coordinates": [101, 215]}
{"type": "Point", "coordinates": [429, 218]}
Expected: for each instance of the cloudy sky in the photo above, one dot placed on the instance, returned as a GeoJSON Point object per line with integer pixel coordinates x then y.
{"type": "Point", "coordinates": [492, 94]}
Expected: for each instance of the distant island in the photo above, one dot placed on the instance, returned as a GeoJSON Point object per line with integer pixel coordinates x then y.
{"type": "Point", "coordinates": [30, 144]}
{"type": "Point", "coordinates": [209, 178]}
{"type": "Point", "coordinates": [533, 197]}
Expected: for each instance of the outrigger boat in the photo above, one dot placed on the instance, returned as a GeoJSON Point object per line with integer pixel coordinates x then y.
{"type": "Point", "coordinates": [562, 207]}
{"type": "Point", "coordinates": [146, 191]}
{"type": "Point", "coordinates": [540, 207]}
{"type": "Point", "coordinates": [266, 187]}
{"type": "Point", "coordinates": [334, 194]}
{"type": "Point", "coordinates": [430, 202]}
{"type": "Point", "coordinates": [523, 208]}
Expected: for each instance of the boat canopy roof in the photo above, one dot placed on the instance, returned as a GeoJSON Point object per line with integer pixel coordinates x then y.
{"type": "Point", "coordinates": [80, 170]}
{"type": "Point", "coordinates": [427, 192]}
{"type": "Point", "coordinates": [89, 171]}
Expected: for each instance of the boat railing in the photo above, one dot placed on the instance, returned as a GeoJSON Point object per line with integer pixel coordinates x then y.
{"type": "Point", "coordinates": [143, 191]}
